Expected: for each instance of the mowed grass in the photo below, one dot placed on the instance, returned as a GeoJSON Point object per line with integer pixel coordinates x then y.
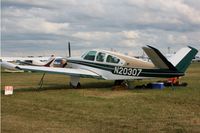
{"type": "Point", "coordinates": [96, 107]}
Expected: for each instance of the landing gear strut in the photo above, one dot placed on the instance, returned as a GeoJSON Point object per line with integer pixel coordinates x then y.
{"type": "Point", "coordinates": [41, 81]}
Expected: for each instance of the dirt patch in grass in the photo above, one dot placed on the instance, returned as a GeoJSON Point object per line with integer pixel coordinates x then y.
{"type": "Point", "coordinates": [107, 94]}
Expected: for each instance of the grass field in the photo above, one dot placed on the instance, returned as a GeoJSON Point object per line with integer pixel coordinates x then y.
{"type": "Point", "coordinates": [97, 108]}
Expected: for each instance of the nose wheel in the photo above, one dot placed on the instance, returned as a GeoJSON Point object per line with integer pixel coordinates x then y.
{"type": "Point", "coordinates": [78, 86]}
{"type": "Point", "coordinates": [74, 82]}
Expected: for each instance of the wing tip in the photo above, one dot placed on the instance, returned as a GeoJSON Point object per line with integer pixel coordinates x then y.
{"type": "Point", "coordinates": [192, 48]}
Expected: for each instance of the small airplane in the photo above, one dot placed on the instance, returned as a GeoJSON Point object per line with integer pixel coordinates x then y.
{"type": "Point", "coordinates": [11, 66]}
{"type": "Point", "coordinates": [34, 62]}
{"type": "Point", "coordinates": [30, 60]}
{"type": "Point", "coordinates": [107, 65]}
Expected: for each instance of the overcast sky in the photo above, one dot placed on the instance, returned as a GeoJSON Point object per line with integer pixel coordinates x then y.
{"type": "Point", "coordinates": [43, 27]}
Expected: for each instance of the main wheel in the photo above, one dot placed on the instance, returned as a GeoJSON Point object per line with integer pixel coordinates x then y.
{"type": "Point", "coordinates": [118, 82]}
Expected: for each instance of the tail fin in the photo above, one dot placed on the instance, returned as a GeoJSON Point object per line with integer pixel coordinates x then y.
{"type": "Point", "coordinates": [158, 59]}
{"type": "Point", "coordinates": [50, 62]}
{"type": "Point", "coordinates": [180, 61]}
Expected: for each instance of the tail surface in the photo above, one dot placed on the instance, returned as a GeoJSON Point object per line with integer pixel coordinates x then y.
{"type": "Point", "coordinates": [50, 62]}
{"type": "Point", "coordinates": [178, 62]}
{"type": "Point", "coordinates": [183, 58]}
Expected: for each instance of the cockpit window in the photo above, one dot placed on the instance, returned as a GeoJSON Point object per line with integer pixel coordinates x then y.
{"type": "Point", "coordinates": [84, 54]}
{"type": "Point", "coordinates": [112, 59]}
{"type": "Point", "coordinates": [100, 57]}
{"type": "Point", "coordinates": [90, 55]}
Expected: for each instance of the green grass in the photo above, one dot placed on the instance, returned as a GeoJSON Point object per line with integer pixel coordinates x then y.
{"type": "Point", "coordinates": [96, 108]}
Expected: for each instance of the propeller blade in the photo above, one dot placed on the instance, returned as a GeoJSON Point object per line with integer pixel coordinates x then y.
{"type": "Point", "coordinates": [69, 48]}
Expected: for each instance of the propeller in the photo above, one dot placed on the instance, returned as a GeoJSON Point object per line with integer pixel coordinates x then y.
{"type": "Point", "coordinates": [69, 48]}
{"type": "Point", "coordinates": [64, 60]}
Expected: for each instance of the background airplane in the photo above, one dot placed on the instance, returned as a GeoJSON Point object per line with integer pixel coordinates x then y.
{"type": "Point", "coordinates": [107, 65]}
{"type": "Point", "coordinates": [36, 61]}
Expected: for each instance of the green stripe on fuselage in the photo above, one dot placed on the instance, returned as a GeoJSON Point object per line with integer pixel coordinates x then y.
{"type": "Point", "coordinates": [143, 73]}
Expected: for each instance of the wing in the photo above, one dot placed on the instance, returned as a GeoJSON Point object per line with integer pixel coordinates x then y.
{"type": "Point", "coordinates": [67, 71]}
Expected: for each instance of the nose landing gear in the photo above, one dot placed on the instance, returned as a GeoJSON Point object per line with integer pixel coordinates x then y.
{"type": "Point", "coordinates": [74, 82]}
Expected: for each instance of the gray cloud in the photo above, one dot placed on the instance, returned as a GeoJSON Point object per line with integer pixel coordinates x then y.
{"type": "Point", "coordinates": [44, 27]}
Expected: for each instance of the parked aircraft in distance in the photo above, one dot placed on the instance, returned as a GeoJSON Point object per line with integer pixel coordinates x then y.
{"type": "Point", "coordinates": [196, 59]}
{"type": "Point", "coordinates": [28, 58]}
{"type": "Point", "coordinates": [107, 65]}
{"type": "Point", "coordinates": [37, 62]}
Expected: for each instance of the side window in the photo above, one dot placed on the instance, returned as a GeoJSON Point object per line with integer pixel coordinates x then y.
{"type": "Point", "coordinates": [90, 55]}
{"type": "Point", "coordinates": [100, 57]}
{"type": "Point", "coordinates": [111, 59]}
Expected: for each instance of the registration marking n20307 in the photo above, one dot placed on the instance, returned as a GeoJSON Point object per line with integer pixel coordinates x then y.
{"type": "Point", "coordinates": [127, 71]}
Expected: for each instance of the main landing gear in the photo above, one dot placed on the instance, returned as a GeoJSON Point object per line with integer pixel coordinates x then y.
{"type": "Point", "coordinates": [120, 85]}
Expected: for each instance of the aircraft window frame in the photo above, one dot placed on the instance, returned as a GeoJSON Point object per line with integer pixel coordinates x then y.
{"type": "Point", "coordinates": [112, 59]}
{"type": "Point", "coordinates": [84, 54]}
{"type": "Point", "coordinates": [100, 58]}
{"type": "Point", "coordinates": [89, 56]}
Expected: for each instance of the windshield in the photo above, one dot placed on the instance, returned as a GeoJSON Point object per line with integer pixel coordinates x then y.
{"type": "Point", "coordinates": [90, 55]}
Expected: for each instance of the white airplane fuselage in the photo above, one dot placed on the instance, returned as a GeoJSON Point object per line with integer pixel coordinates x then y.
{"type": "Point", "coordinates": [128, 68]}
